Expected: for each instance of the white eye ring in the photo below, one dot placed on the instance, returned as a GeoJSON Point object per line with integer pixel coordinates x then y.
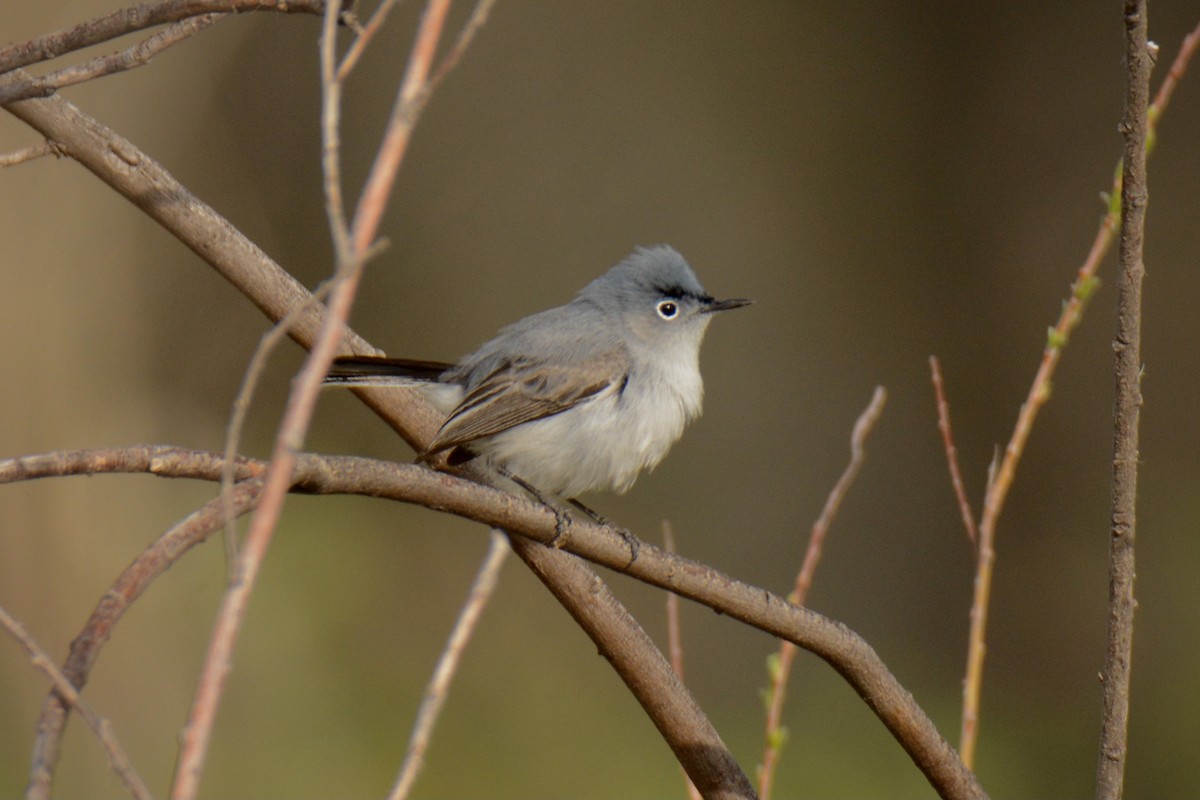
{"type": "Point", "coordinates": [667, 309]}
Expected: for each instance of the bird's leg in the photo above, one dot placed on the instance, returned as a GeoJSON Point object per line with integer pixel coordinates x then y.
{"type": "Point", "coordinates": [631, 540]}
{"type": "Point", "coordinates": [562, 517]}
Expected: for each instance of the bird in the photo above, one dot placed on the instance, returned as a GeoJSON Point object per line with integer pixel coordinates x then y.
{"type": "Point", "coordinates": [578, 398]}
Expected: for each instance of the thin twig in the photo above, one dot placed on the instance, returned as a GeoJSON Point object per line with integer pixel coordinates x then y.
{"type": "Point", "coordinates": [135, 579]}
{"type": "Point", "coordinates": [138, 55]}
{"type": "Point", "coordinates": [135, 18]}
{"type": "Point", "coordinates": [781, 663]}
{"type": "Point", "coordinates": [674, 631]}
{"type": "Point", "coordinates": [633, 655]}
{"type": "Point", "coordinates": [476, 21]}
{"type": "Point", "coordinates": [439, 684]}
{"type": "Point", "coordinates": [1172, 78]}
{"type": "Point", "coordinates": [1110, 770]}
{"type": "Point", "coordinates": [218, 661]}
{"type": "Point", "coordinates": [331, 169]}
{"type": "Point", "coordinates": [117, 757]}
{"type": "Point", "coordinates": [30, 153]}
{"type": "Point", "coordinates": [675, 641]}
{"type": "Point", "coordinates": [301, 403]}
{"type": "Point", "coordinates": [405, 111]}
{"type": "Point", "coordinates": [298, 413]}
{"type": "Point", "coordinates": [943, 410]}
{"type": "Point", "coordinates": [359, 45]}
{"type": "Point", "coordinates": [241, 407]}
{"type": "Point", "coordinates": [1000, 481]}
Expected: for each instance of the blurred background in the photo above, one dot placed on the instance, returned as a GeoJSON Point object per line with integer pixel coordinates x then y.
{"type": "Point", "coordinates": [887, 180]}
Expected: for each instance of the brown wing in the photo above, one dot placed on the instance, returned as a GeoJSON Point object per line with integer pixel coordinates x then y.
{"type": "Point", "coordinates": [520, 391]}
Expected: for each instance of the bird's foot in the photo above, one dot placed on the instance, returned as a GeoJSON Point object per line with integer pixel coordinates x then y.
{"type": "Point", "coordinates": [562, 524]}
{"type": "Point", "coordinates": [631, 540]}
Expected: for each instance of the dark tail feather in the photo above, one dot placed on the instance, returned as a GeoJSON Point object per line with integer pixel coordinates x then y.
{"type": "Point", "coordinates": [367, 370]}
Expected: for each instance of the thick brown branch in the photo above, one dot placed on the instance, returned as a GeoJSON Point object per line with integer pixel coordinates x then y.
{"type": "Point", "coordinates": [136, 176]}
{"type": "Point", "coordinates": [1110, 773]}
{"type": "Point", "coordinates": [844, 650]}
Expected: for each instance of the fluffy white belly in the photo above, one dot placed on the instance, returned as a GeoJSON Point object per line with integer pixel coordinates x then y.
{"type": "Point", "coordinates": [603, 443]}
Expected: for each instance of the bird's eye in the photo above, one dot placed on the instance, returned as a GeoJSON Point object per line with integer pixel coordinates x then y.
{"type": "Point", "coordinates": [667, 309]}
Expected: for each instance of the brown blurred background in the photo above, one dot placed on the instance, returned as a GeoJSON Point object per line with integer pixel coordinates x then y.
{"type": "Point", "coordinates": [887, 180]}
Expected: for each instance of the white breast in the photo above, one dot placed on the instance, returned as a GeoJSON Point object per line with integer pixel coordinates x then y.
{"type": "Point", "coordinates": [605, 442]}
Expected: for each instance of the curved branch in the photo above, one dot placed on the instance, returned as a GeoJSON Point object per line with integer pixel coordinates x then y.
{"type": "Point", "coordinates": [136, 18]}
{"type": "Point", "coordinates": [132, 582]}
{"type": "Point", "coordinates": [138, 55]}
{"type": "Point", "coordinates": [843, 649]}
{"type": "Point", "coordinates": [137, 177]}
{"type": "Point", "coordinates": [117, 757]}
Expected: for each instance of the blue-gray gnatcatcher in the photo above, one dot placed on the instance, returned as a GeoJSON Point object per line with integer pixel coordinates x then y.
{"type": "Point", "coordinates": [577, 398]}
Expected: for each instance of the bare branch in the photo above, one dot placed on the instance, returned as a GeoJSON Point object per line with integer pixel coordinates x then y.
{"type": "Point", "coordinates": [1110, 771]}
{"type": "Point", "coordinates": [300, 407]}
{"type": "Point", "coordinates": [136, 56]}
{"type": "Point", "coordinates": [1000, 480]}
{"type": "Point", "coordinates": [241, 406]}
{"type": "Point", "coordinates": [30, 153]}
{"type": "Point", "coordinates": [439, 684]}
{"type": "Point", "coordinates": [137, 18]}
{"type": "Point", "coordinates": [164, 460]}
{"type": "Point", "coordinates": [145, 183]}
{"type": "Point", "coordinates": [405, 112]}
{"type": "Point", "coordinates": [943, 409]}
{"type": "Point", "coordinates": [781, 665]}
{"type": "Point", "coordinates": [844, 650]}
{"type": "Point", "coordinates": [675, 640]}
{"type": "Point", "coordinates": [674, 631]}
{"type": "Point", "coordinates": [331, 162]}
{"type": "Point", "coordinates": [615, 632]}
{"type": "Point", "coordinates": [301, 404]}
{"type": "Point", "coordinates": [477, 20]}
{"type": "Point", "coordinates": [117, 758]}
{"type": "Point", "coordinates": [1172, 79]}
{"type": "Point", "coordinates": [134, 580]}
{"type": "Point", "coordinates": [359, 46]}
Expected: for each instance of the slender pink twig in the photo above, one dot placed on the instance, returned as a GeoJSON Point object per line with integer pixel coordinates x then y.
{"type": "Point", "coordinates": [373, 200]}
{"type": "Point", "coordinates": [675, 642]}
{"type": "Point", "coordinates": [781, 665]}
{"type": "Point", "coordinates": [1175, 74]}
{"type": "Point", "coordinates": [117, 757]}
{"type": "Point", "coordinates": [998, 487]}
{"type": "Point", "coordinates": [359, 45]}
{"type": "Point", "coordinates": [301, 403]}
{"type": "Point", "coordinates": [960, 491]}
{"type": "Point", "coordinates": [439, 684]}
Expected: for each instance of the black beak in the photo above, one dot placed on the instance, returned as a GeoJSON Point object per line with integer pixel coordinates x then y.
{"type": "Point", "coordinates": [712, 306]}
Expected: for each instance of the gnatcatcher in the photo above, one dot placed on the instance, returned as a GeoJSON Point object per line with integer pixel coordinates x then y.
{"type": "Point", "coordinates": [578, 398]}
